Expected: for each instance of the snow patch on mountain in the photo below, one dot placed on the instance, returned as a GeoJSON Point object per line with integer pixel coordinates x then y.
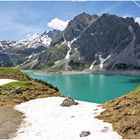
{"type": "Point", "coordinates": [56, 62]}
{"type": "Point", "coordinates": [137, 20]}
{"type": "Point", "coordinates": [92, 65]}
{"type": "Point", "coordinates": [64, 39]}
{"type": "Point", "coordinates": [102, 60]}
{"type": "Point", "coordinates": [32, 42]}
{"type": "Point", "coordinates": [46, 40]}
{"type": "Point", "coordinates": [73, 40]}
{"type": "Point", "coordinates": [68, 53]}
{"type": "Point", "coordinates": [2, 46]}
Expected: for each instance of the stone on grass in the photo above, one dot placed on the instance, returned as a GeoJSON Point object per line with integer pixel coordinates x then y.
{"type": "Point", "coordinates": [16, 90]}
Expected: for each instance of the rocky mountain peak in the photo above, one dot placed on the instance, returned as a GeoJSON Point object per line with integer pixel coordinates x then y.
{"type": "Point", "coordinates": [89, 41]}
{"type": "Point", "coordinates": [74, 28]}
{"type": "Point", "coordinates": [44, 34]}
{"type": "Point", "coordinates": [52, 34]}
{"type": "Point", "coordinates": [78, 24]}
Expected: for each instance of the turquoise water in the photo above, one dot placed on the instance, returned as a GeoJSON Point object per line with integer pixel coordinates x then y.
{"type": "Point", "coordinates": [92, 88]}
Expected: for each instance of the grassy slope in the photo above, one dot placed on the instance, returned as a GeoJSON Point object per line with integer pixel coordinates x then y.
{"type": "Point", "coordinates": [124, 114]}
{"type": "Point", "coordinates": [28, 88]}
{"type": "Point", "coordinates": [13, 74]}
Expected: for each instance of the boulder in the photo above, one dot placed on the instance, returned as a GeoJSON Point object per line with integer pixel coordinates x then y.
{"type": "Point", "coordinates": [69, 101]}
{"type": "Point", "coordinates": [16, 90]}
{"type": "Point", "coordinates": [84, 133]}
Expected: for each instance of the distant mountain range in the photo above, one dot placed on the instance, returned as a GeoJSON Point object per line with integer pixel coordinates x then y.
{"type": "Point", "coordinates": [88, 42]}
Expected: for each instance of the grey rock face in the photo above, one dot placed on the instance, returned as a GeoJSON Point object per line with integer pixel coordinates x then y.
{"type": "Point", "coordinates": [53, 34]}
{"type": "Point", "coordinates": [78, 24]}
{"type": "Point", "coordinates": [52, 54]}
{"type": "Point", "coordinates": [103, 36]}
{"type": "Point", "coordinates": [108, 35]}
{"type": "Point", "coordinates": [5, 60]}
{"type": "Point", "coordinates": [74, 28]}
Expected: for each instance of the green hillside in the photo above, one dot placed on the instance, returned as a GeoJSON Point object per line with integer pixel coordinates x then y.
{"type": "Point", "coordinates": [24, 89]}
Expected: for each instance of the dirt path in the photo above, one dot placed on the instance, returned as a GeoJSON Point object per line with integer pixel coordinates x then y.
{"type": "Point", "coordinates": [10, 121]}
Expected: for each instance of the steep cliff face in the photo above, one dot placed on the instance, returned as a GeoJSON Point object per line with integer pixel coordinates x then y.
{"type": "Point", "coordinates": [74, 28]}
{"type": "Point", "coordinates": [109, 35]}
{"type": "Point", "coordinates": [78, 24]}
{"type": "Point", "coordinates": [5, 60]}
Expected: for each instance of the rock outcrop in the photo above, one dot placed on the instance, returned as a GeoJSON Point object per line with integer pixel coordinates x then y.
{"type": "Point", "coordinates": [69, 101]}
{"type": "Point", "coordinates": [84, 133]}
{"type": "Point", "coordinates": [123, 113]}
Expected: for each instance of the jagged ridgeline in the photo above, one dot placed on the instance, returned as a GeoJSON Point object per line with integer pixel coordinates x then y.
{"type": "Point", "coordinates": [88, 42]}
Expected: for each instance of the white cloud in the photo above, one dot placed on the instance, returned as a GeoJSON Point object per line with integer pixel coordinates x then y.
{"type": "Point", "coordinates": [58, 24]}
{"type": "Point", "coordinates": [137, 20]}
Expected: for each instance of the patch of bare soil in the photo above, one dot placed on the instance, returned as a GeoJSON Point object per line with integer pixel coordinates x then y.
{"type": "Point", "coordinates": [124, 115]}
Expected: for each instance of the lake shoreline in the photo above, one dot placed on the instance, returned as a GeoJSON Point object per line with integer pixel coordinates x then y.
{"type": "Point", "coordinates": [71, 83]}
{"type": "Point", "coordinates": [43, 72]}
{"type": "Point", "coordinates": [104, 72]}
{"type": "Point", "coordinates": [118, 72]}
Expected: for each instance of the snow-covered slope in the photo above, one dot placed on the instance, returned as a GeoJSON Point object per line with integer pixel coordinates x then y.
{"type": "Point", "coordinates": [46, 119]}
{"type": "Point", "coordinates": [27, 43]}
{"type": "Point", "coordinates": [23, 54]}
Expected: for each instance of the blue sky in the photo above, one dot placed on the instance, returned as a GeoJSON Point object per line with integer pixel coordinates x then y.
{"type": "Point", "coordinates": [19, 20]}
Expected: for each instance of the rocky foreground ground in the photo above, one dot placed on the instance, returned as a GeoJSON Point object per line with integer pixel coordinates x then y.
{"type": "Point", "coordinates": [124, 114]}
{"type": "Point", "coordinates": [11, 94]}
{"type": "Point", "coordinates": [24, 89]}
